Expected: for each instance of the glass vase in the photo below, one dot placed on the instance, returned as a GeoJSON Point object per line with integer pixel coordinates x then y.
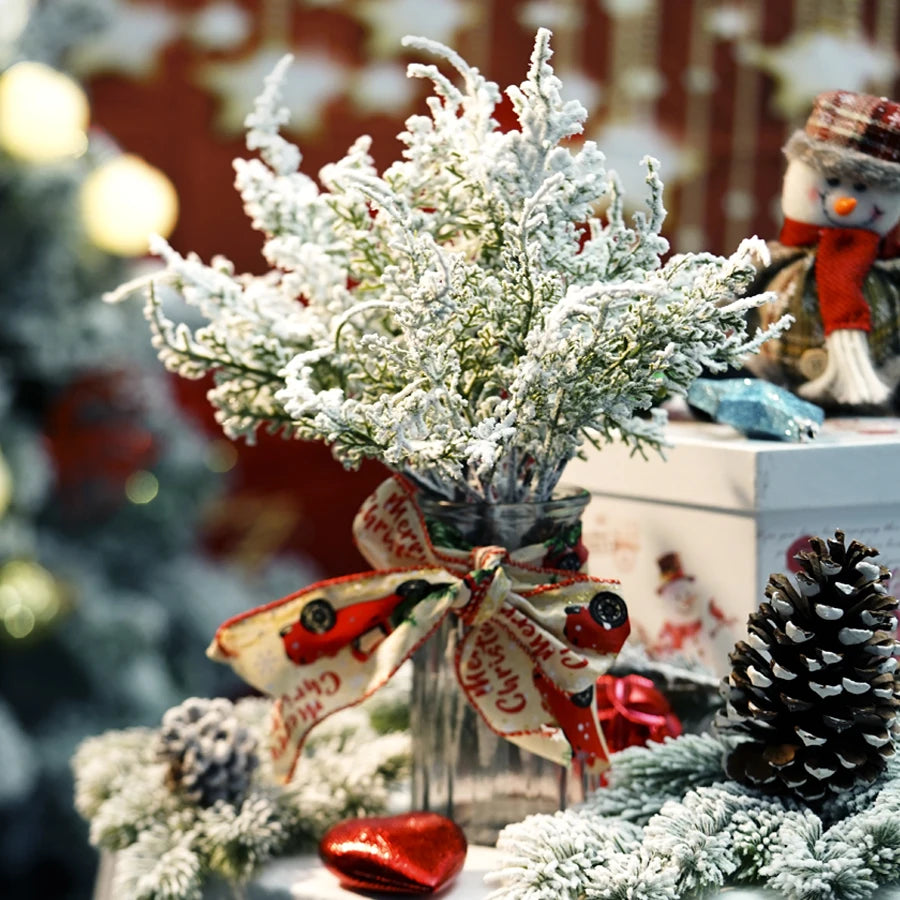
{"type": "Point", "coordinates": [461, 768]}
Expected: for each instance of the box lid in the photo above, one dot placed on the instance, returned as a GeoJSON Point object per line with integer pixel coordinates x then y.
{"type": "Point", "coordinates": [852, 462]}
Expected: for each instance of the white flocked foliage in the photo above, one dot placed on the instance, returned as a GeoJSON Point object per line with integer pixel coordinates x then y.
{"type": "Point", "coordinates": [670, 825]}
{"type": "Point", "coordinates": [171, 848]}
{"type": "Point", "coordinates": [465, 317]}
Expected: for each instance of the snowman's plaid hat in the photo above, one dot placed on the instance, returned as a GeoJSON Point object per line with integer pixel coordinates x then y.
{"type": "Point", "coordinates": [851, 135]}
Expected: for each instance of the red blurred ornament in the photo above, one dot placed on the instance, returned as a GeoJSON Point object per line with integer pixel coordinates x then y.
{"type": "Point", "coordinates": [414, 853]}
{"type": "Point", "coordinates": [269, 509]}
{"type": "Point", "coordinates": [632, 712]}
{"type": "Point", "coordinates": [96, 437]}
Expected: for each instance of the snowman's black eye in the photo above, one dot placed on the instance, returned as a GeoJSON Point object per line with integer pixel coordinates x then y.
{"type": "Point", "coordinates": [859, 187]}
{"type": "Point", "coordinates": [832, 182]}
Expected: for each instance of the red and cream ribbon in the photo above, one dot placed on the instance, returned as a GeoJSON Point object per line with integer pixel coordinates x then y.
{"type": "Point", "coordinates": [534, 640]}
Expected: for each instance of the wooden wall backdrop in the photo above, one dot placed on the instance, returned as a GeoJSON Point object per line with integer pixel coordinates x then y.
{"type": "Point", "coordinates": [710, 87]}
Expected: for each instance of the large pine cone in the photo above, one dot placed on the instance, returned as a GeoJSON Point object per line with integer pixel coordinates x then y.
{"type": "Point", "coordinates": [211, 755]}
{"type": "Point", "coordinates": [815, 685]}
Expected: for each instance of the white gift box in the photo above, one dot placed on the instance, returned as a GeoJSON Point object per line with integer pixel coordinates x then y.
{"type": "Point", "coordinates": [693, 538]}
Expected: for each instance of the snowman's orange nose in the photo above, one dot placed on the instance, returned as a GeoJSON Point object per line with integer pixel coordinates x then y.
{"type": "Point", "coordinates": [843, 206]}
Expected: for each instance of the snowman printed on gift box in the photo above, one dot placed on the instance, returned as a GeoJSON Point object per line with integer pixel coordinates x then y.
{"type": "Point", "coordinates": [834, 267]}
{"type": "Point", "coordinates": [691, 628]}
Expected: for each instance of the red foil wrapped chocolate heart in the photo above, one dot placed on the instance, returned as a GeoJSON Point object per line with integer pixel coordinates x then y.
{"type": "Point", "coordinates": [414, 853]}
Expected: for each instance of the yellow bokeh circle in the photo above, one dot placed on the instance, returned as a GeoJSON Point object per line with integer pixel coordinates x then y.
{"type": "Point", "coordinates": [44, 114]}
{"type": "Point", "coordinates": [124, 202]}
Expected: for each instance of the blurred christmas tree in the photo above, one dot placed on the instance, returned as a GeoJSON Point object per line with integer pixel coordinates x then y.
{"type": "Point", "coordinates": [106, 602]}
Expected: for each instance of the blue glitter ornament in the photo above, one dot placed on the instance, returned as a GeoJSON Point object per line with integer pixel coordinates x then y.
{"type": "Point", "coordinates": [757, 408]}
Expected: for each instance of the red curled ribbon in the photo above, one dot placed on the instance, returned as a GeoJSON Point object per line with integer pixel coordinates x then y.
{"type": "Point", "coordinates": [534, 641]}
{"type": "Point", "coordinates": [632, 712]}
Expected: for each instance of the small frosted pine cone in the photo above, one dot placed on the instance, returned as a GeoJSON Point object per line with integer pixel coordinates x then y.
{"type": "Point", "coordinates": [815, 685]}
{"type": "Point", "coordinates": [211, 755]}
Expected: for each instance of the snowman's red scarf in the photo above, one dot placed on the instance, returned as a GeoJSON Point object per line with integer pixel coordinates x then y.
{"type": "Point", "coordinates": [843, 259]}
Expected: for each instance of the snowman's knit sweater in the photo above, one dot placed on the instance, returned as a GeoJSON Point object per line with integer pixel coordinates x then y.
{"type": "Point", "coordinates": [843, 259]}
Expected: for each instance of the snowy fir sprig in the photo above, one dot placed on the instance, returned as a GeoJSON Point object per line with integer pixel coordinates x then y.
{"type": "Point", "coordinates": [464, 317]}
{"type": "Point", "coordinates": [670, 825]}
{"type": "Point", "coordinates": [169, 847]}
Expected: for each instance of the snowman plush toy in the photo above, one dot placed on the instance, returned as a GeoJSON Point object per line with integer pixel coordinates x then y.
{"type": "Point", "coordinates": [833, 266]}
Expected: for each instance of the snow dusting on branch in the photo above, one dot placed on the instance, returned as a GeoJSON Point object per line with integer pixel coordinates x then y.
{"type": "Point", "coordinates": [465, 316]}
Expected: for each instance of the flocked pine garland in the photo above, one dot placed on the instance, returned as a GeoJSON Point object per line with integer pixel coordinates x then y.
{"type": "Point", "coordinates": [465, 317]}
{"type": "Point", "coordinates": [671, 823]}
{"type": "Point", "coordinates": [183, 807]}
{"type": "Point", "coordinates": [669, 826]}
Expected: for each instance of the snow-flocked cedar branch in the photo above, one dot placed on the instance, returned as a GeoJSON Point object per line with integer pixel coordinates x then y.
{"type": "Point", "coordinates": [814, 685]}
{"type": "Point", "coordinates": [466, 318]}
{"type": "Point", "coordinates": [672, 824]}
{"type": "Point", "coordinates": [171, 848]}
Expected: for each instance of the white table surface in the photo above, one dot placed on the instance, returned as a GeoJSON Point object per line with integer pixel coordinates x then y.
{"type": "Point", "coordinates": [308, 879]}
{"type": "Point", "coordinates": [305, 878]}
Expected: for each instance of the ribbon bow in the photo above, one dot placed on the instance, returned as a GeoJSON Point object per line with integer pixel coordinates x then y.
{"type": "Point", "coordinates": [534, 640]}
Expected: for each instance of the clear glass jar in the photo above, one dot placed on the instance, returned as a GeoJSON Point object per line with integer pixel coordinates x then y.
{"type": "Point", "coordinates": [461, 769]}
